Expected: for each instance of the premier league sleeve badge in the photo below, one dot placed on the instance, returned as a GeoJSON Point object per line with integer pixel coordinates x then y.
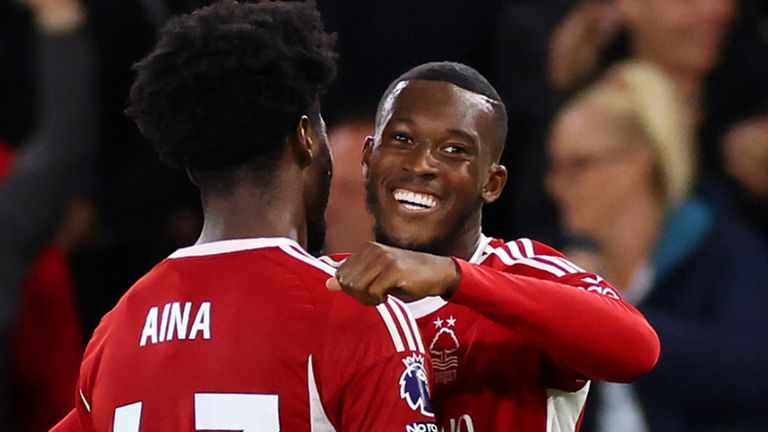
{"type": "Point", "coordinates": [414, 385]}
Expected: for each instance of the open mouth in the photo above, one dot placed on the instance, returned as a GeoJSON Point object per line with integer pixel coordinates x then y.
{"type": "Point", "coordinates": [414, 201]}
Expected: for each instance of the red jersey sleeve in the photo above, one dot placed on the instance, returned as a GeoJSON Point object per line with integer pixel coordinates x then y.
{"type": "Point", "coordinates": [589, 330]}
{"type": "Point", "coordinates": [390, 395]}
{"type": "Point", "coordinates": [378, 370]}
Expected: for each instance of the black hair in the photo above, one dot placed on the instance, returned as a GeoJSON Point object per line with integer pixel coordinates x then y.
{"type": "Point", "coordinates": [462, 76]}
{"type": "Point", "coordinates": [226, 84]}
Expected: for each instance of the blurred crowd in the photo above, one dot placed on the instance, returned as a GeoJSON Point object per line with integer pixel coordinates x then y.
{"type": "Point", "coordinates": [638, 143]}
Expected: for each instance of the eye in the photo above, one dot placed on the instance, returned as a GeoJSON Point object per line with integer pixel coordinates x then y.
{"type": "Point", "coordinates": [456, 149]}
{"type": "Point", "coordinates": [400, 140]}
{"type": "Point", "coordinates": [401, 137]}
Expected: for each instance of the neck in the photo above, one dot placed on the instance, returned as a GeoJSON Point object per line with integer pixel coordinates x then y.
{"type": "Point", "coordinates": [628, 243]}
{"type": "Point", "coordinates": [249, 210]}
{"type": "Point", "coordinates": [464, 243]}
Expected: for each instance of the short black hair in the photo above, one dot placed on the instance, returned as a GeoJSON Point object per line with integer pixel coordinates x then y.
{"type": "Point", "coordinates": [226, 84]}
{"type": "Point", "coordinates": [462, 76]}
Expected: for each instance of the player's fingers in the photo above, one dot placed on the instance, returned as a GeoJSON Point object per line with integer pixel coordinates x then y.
{"type": "Point", "coordinates": [356, 275]}
{"type": "Point", "coordinates": [333, 284]}
{"type": "Point", "coordinates": [381, 287]}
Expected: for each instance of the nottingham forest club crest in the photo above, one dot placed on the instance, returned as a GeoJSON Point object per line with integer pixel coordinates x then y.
{"type": "Point", "coordinates": [445, 360]}
{"type": "Point", "coordinates": [414, 385]}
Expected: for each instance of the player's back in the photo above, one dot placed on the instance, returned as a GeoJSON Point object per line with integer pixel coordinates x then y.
{"type": "Point", "coordinates": [243, 335]}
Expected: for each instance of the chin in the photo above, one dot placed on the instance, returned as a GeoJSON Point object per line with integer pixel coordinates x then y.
{"type": "Point", "coordinates": [401, 240]}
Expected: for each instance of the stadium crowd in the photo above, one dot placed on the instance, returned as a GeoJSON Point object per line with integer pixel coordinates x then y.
{"type": "Point", "coordinates": [638, 142]}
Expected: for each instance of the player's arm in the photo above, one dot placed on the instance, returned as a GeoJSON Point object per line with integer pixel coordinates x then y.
{"type": "Point", "coordinates": [386, 372]}
{"type": "Point", "coordinates": [588, 330]}
{"type": "Point", "coordinates": [596, 335]}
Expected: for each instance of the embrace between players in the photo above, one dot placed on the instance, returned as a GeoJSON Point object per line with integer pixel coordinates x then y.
{"type": "Point", "coordinates": [245, 330]}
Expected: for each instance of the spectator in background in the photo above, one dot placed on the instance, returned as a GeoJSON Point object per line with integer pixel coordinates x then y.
{"type": "Point", "coordinates": [712, 49]}
{"type": "Point", "coordinates": [622, 171]}
{"type": "Point", "coordinates": [686, 39]}
{"type": "Point", "coordinates": [40, 179]}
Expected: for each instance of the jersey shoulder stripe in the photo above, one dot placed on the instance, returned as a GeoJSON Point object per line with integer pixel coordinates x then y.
{"type": "Point", "coordinates": [401, 326]}
{"type": "Point", "coordinates": [503, 254]}
{"type": "Point", "coordinates": [532, 254]}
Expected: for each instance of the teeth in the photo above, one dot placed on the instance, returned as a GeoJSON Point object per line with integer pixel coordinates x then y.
{"type": "Point", "coordinates": [413, 200]}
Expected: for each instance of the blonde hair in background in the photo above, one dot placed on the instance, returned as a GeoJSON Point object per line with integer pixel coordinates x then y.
{"type": "Point", "coordinates": [646, 103]}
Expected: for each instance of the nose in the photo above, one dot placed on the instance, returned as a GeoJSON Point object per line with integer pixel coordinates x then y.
{"type": "Point", "coordinates": [421, 161]}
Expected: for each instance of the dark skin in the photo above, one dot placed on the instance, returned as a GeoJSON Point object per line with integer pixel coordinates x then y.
{"type": "Point", "coordinates": [431, 166]}
{"type": "Point", "coordinates": [277, 210]}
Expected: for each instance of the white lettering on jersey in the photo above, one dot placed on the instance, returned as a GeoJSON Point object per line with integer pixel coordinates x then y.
{"type": "Point", "coordinates": [150, 328]}
{"type": "Point", "coordinates": [178, 321]}
{"type": "Point", "coordinates": [202, 322]}
{"type": "Point", "coordinates": [462, 424]}
{"type": "Point", "coordinates": [421, 427]}
{"type": "Point", "coordinates": [174, 323]}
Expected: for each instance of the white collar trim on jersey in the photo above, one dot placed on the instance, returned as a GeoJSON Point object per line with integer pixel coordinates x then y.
{"type": "Point", "coordinates": [235, 245]}
{"type": "Point", "coordinates": [427, 305]}
{"type": "Point", "coordinates": [480, 251]}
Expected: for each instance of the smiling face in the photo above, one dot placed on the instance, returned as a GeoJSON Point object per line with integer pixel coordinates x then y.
{"type": "Point", "coordinates": [596, 170]}
{"type": "Point", "coordinates": [431, 167]}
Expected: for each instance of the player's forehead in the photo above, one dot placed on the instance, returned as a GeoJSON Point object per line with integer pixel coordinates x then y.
{"type": "Point", "coordinates": [426, 101]}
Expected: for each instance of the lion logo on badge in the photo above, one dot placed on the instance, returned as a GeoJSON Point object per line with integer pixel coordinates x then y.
{"type": "Point", "coordinates": [414, 386]}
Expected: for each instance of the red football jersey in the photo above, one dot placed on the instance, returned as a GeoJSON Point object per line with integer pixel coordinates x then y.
{"type": "Point", "coordinates": [515, 347]}
{"type": "Point", "coordinates": [243, 335]}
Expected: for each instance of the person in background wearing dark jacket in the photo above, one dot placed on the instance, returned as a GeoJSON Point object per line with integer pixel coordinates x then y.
{"type": "Point", "coordinates": [45, 173]}
{"type": "Point", "coordinates": [622, 170]}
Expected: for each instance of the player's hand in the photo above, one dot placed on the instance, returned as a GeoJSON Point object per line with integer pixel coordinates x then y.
{"type": "Point", "coordinates": [745, 151]}
{"type": "Point", "coordinates": [378, 270]}
{"type": "Point", "coordinates": [579, 40]}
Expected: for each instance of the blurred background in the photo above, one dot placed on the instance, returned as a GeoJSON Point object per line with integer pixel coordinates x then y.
{"type": "Point", "coordinates": [638, 143]}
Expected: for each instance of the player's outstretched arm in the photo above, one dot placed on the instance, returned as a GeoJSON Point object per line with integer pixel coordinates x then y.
{"type": "Point", "coordinates": [588, 330]}
{"type": "Point", "coordinates": [595, 335]}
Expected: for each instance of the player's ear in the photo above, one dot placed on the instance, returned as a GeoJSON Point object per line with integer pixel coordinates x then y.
{"type": "Point", "coordinates": [302, 144]}
{"type": "Point", "coordinates": [497, 178]}
{"type": "Point", "coordinates": [367, 150]}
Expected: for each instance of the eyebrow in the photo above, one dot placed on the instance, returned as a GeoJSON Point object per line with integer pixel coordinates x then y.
{"type": "Point", "coordinates": [401, 120]}
{"type": "Point", "coordinates": [464, 134]}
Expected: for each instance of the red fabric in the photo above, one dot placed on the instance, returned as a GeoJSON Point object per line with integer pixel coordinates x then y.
{"type": "Point", "coordinates": [47, 341]}
{"type": "Point", "coordinates": [48, 344]}
{"type": "Point", "coordinates": [268, 313]}
{"type": "Point", "coordinates": [525, 328]}
{"type": "Point", "coordinates": [612, 341]}
{"type": "Point", "coordinates": [520, 330]}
